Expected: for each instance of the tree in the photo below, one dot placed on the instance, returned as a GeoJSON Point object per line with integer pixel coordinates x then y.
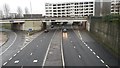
{"type": "Point", "coordinates": [6, 10]}
{"type": "Point", "coordinates": [19, 11]}
{"type": "Point", "coordinates": [1, 14]}
{"type": "Point", "coordinates": [26, 10]}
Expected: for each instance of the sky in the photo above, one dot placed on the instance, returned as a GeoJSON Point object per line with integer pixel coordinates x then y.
{"type": "Point", "coordinates": [38, 6]}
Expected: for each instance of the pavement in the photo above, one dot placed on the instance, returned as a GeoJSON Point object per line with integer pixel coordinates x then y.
{"type": "Point", "coordinates": [3, 38]}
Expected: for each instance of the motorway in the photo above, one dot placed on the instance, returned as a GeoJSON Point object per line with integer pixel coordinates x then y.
{"type": "Point", "coordinates": [79, 50]}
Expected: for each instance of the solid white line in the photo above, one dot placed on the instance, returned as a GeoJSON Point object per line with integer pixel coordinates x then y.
{"type": "Point", "coordinates": [10, 58]}
{"type": "Point", "coordinates": [47, 51]}
{"type": "Point", "coordinates": [5, 63]}
{"type": "Point", "coordinates": [63, 60]}
{"type": "Point", "coordinates": [102, 61]}
{"type": "Point", "coordinates": [10, 45]}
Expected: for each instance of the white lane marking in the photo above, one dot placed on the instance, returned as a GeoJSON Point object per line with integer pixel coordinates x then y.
{"type": "Point", "coordinates": [11, 44]}
{"type": "Point", "coordinates": [107, 66]}
{"type": "Point", "coordinates": [21, 48]}
{"type": "Point", "coordinates": [41, 40]}
{"type": "Point", "coordinates": [37, 45]}
{"type": "Point", "coordinates": [74, 47]}
{"type": "Point", "coordinates": [5, 63]}
{"type": "Point", "coordinates": [88, 47]}
{"type": "Point", "coordinates": [18, 52]}
{"type": "Point", "coordinates": [102, 61]}
{"type": "Point", "coordinates": [94, 53]}
{"type": "Point", "coordinates": [47, 50]}
{"type": "Point", "coordinates": [30, 41]}
{"type": "Point", "coordinates": [98, 56]}
{"type": "Point", "coordinates": [91, 50]}
{"type": "Point", "coordinates": [71, 41]}
{"type": "Point", "coordinates": [35, 61]}
{"type": "Point", "coordinates": [17, 61]}
{"type": "Point", "coordinates": [15, 54]}
{"type": "Point", "coordinates": [31, 53]}
{"type": "Point", "coordinates": [62, 54]}
{"type": "Point", "coordinates": [10, 58]}
{"type": "Point", "coordinates": [79, 56]}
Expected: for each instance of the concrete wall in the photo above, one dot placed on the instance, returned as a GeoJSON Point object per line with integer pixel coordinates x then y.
{"type": "Point", "coordinates": [34, 25]}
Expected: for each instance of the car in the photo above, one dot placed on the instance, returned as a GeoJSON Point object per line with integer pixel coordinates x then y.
{"type": "Point", "coordinates": [52, 26]}
{"type": "Point", "coordinates": [46, 31]}
{"type": "Point", "coordinates": [64, 30]}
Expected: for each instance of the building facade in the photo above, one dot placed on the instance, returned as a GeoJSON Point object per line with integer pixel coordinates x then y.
{"type": "Point", "coordinates": [115, 6]}
{"type": "Point", "coordinates": [71, 9]}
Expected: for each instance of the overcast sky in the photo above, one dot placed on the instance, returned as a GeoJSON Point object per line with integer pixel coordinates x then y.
{"type": "Point", "coordinates": [38, 6]}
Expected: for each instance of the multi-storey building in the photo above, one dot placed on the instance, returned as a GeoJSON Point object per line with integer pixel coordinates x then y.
{"type": "Point", "coordinates": [70, 9]}
{"type": "Point", "coordinates": [115, 6]}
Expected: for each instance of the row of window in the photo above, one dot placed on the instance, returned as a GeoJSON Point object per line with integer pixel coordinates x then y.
{"type": "Point", "coordinates": [86, 9]}
{"type": "Point", "coordinates": [71, 13]}
{"type": "Point", "coordinates": [69, 7]}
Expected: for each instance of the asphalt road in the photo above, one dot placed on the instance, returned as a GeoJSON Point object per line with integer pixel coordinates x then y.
{"type": "Point", "coordinates": [78, 53]}
{"type": "Point", "coordinates": [79, 50]}
{"type": "Point", "coordinates": [33, 54]}
{"type": "Point", "coordinates": [14, 43]}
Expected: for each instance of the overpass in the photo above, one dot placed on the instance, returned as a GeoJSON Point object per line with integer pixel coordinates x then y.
{"type": "Point", "coordinates": [21, 24]}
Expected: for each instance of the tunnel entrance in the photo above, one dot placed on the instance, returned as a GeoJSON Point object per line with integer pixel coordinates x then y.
{"type": "Point", "coordinates": [17, 26]}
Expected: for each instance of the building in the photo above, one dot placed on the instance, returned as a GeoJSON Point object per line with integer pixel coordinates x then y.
{"type": "Point", "coordinates": [115, 6]}
{"type": "Point", "coordinates": [70, 9]}
{"type": "Point", "coordinates": [81, 9]}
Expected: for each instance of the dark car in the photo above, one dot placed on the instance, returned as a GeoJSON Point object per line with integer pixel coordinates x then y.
{"type": "Point", "coordinates": [52, 26]}
{"type": "Point", "coordinates": [46, 31]}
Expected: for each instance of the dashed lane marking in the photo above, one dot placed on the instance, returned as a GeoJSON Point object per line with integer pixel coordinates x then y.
{"type": "Point", "coordinates": [31, 53]}
{"type": "Point", "coordinates": [98, 56]}
{"type": "Point", "coordinates": [18, 52]}
{"type": "Point", "coordinates": [88, 47]}
{"type": "Point", "coordinates": [5, 63]}
{"type": "Point", "coordinates": [15, 54]}
{"type": "Point", "coordinates": [91, 50]}
{"type": "Point", "coordinates": [79, 56]}
{"type": "Point", "coordinates": [17, 61]}
{"type": "Point", "coordinates": [94, 53]}
{"type": "Point", "coordinates": [74, 47]}
{"type": "Point", "coordinates": [71, 41]}
{"type": "Point", "coordinates": [107, 66]}
{"type": "Point", "coordinates": [35, 61]}
{"type": "Point", "coordinates": [10, 58]}
{"type": "Point", "coordinates": [102, 61]}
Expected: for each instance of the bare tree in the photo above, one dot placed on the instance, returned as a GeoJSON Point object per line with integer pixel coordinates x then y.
{"type": "Point", "coordinates": [1, 14]}
{"type": "Point", "coordinates": [26, 10]}
{"type": "Point", "coordinates": [6, 10]}
{"type": "Point", "coordinates": [19, 11]}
